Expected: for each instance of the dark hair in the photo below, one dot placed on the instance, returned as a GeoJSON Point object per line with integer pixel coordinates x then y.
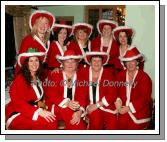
{"type": "Point", "coordinates": [96, 56]}
{"type": "Point", "coordinates": [56, 35]}
{"type": "Point", "coordinates": [138, 61]}
{"type": "Point", "coordinates": [26, 72]}
{"type": "Point", "coordinates": [129, 39]}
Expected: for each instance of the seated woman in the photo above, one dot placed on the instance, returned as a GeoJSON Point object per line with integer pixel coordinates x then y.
{"type": "Point", "coordinates": [134, 94]}
{"type": "Point", "coordinates": [64, 97]}
{"type": "Point", "coordinates": [101, 111]}
{"type": "Point", "coordinates": [27, 109]}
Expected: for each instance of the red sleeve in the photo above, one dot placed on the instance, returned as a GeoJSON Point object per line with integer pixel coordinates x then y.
{"type": "Point", "coordinates": [144, 98]}
{"type": "Point", "coordinates": [18, 96]}
{"type": "Point", "coordinates": [95, 43]}
{"type": "Point", "coordinates": [53, 94]}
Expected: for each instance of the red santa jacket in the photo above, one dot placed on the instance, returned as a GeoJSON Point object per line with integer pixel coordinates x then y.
{"type": "Point", "coordinates": [31, 42]}
{"type": "Point", "coordinates": [105, 92]}
{"type": "Point", "coordinates": [138, 98]}
{"type": "Point", "coordinates": [56, 91]}
{"type": "Point", "coordinates": [21, 95]}
{"type": "Point", "coordinates": [55, 49]}
{"type": "Point", "coordinates": [112, 49]}
{"type": "Point", "coordinates": [77, 47]}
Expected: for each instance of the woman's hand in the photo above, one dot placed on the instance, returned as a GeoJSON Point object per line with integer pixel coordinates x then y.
{"type": "Point", "coordinates": [118, 104]}
{"type": "Point", "coordinates": [74, 105]}
{"type": "Point", "coordinates": [124, 110]}
{"type": "Point", "coordinates": [56, 70]}
{"type": "Point", "coordinates": [76, 117]}
{"type": "Point", "coordinates": [47, 115]}
{"type": "Point", "coordinates": [92, 108]}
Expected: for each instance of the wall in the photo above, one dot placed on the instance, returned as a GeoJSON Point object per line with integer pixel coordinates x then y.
{"type": "Point", "coordinates": [142, 19]}
{"type": "Point", "coordinates": [76, 11]}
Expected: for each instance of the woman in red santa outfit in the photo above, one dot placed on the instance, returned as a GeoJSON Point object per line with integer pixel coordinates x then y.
{"type": "Point", "coordinates": [105, 42]}
{"type": "Point", "coordinates": [123, 35]}
{"type": "Point", "coordinates": [58, 46]}
{"type": "Point", "coordinates": [134, 93]}
{"type": "Point", "coordinates": [27, 109]}
{"type": "Point", "coordinates": [81, 43]}
{"type": "Point", "coordinates": [41, 23]}
{"type": "Point", "coordinates": [64, 97]}
{"type": "Point", "coordinates": [101, 111]}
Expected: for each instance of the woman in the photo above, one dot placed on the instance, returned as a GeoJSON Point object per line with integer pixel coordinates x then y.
{"type": "Point", "coordinates": [40, 22]}
{"type": "Point", "coordinates": [27, 109]}
{"type": "Point", "coordinates": [81, 43]}
{"type": "Point", "coordinates": [135, 94]}
{"type": "Point", "coordinates": [58, 46]}
{"type": "Point", "coordinates": [123, 35]}
{"type": "Point", "coordinates": [64, 97]}
{"type": "Point", "coordinates": [101, 110]}
{"type": "Point", "coordinates": [105, 42]}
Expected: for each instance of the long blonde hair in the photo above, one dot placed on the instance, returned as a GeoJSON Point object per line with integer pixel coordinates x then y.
{"type": "Point", "coordinates": [35, 27]}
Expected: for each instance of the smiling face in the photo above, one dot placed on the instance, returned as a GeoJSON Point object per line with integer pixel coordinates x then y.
{"type": "Point", "coordinates": [123, 38]}
{"type": "Point", "coordinates": [42, 25]}
{"type": "Point", "coordinates": [81, 35]}
{"type": "Point", "coordinates": [33, 64]}
{"type": "Point", "coordinates": [96, 63]}
{"type": "Point", "coordinates": [131, 65]}
{"type": "Point", "coordinates": [107, 30]}
{"type": "Point", "coordinates": [70, 65]}
{"type": "Point", "coordinates": [62, 35]}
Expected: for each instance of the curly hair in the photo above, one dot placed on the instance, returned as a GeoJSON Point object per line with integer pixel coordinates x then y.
{"type": "Point", "coordinates": [26, 72]}
{"type": "Point", "coordinates": [129, 39]}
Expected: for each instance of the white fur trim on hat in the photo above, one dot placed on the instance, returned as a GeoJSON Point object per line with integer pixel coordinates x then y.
{"type": "Point", "coordinates": [96, 53]}
{"type": "Point", "coordinates": [30, 55]}
{"type": "Point", "coordinates": [62, 58]}
{"type": "Point", "coordinates": [123, 28]}
{"type": "Point", "coordinates": [42, 11]}
{"type": "Point", "coordinates": [84, 24]}
{"type": "Point", "coordinates": [62, 25]}
{"type": "Point", "coordinates": [131, 58]}
{"type": "Point", "coordinates": [105, 21]}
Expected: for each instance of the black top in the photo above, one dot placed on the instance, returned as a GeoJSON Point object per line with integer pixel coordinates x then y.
{"type": "Point", "coordinates": [94, 85]}
{"type": "Point", "coordinates": [69, 93]}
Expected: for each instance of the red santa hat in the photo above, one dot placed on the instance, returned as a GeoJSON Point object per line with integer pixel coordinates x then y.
{"type": "Point", "coordinates": [86, 26]}
{"type": "Point", "coordinates": [132, 54]}
{"type": "Point", "coordinates": [41, 13]}
{"type": "Point", "coordinates": [103, 22]}
{"type": "Point", "coordinates": [63, 24]}
{"type": "Point", "coordinates": [31, 52]}
{"type": "Point", "coordinates": [96, 52]}
{"type": "Point", "coordinates": [119, 29]}
{"type": "Point", "coordinates": [69, 54]}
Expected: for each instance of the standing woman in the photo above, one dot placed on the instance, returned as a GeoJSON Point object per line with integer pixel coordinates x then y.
{"type": "Point", "coordinates": [41, 22]}
{"type": "Point", "coordinates": [27, 109]}
{"type": "Point", "coordinates": [58, 46]}
{"type": "Point", "coordinates": [101, 110]}
{"type": "Point", "coordinates": [134, 100]}
{"type": "Point", "coordinates": [105, 42]}
{"type": "Point", "coordinates": [123, 35]}
{"type": "Point", "coordinates": [64, 97]}
{"type": "Point", "coordinates": [81, 43]}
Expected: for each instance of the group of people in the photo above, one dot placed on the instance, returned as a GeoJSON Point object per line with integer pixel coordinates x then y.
{"type": "Point", "coordinates": [100, 80]}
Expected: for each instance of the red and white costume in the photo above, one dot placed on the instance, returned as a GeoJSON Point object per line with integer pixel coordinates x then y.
{"type": "Point", "coordinates": [104, 117]}
{"type": "Point", "coordinates": [112, 49]}
{"type": "Point", "coordinates": [136, 95]}
{"type": "Point", "coordinates": [56, 97]}
{"type": "Point", "coordinates": [55, 47]}
{"type": "Point", "coordinates": [105, 92]}
{"type": "Point", "coordinates": [57, 93]}
{"type": "Point", "coordinates": [26, 115]}
{"type": "Point", "coordinates": [33, 41]}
